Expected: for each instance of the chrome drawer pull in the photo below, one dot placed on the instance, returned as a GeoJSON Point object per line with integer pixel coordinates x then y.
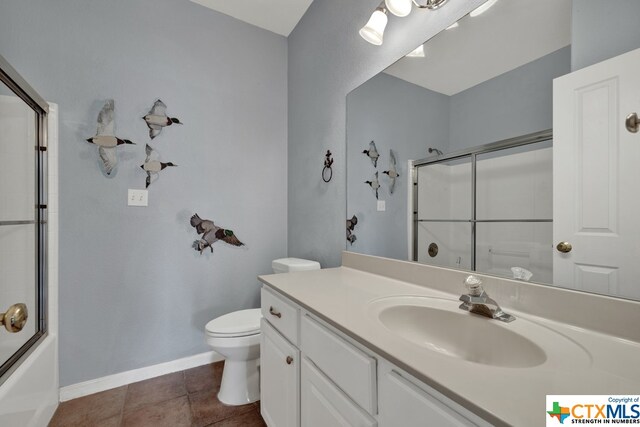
{"type": "Point", "coordinates": [274, 312]}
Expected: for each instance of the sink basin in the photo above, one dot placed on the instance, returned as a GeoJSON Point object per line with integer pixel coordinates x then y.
{"type": "Point", "coordinates": [438, 325]}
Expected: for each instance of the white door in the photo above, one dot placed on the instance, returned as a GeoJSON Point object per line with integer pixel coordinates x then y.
{"type": "Point", "coordinates": [596, 176]}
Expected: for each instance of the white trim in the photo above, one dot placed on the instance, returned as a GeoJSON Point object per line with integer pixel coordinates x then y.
{"type": "Point", "coordinates": [116, 380]}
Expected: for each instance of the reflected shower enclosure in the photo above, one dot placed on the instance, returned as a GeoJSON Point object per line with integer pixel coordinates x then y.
{"type": "Point", "coordinates": [488, 209]}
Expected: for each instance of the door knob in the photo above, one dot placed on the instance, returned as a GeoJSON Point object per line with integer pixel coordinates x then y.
{"type": "Point", "coordinates": [564, 247]}
{"type": "Point", "coordinates": [15, 317]}
{"type": "Point", "coordinates": [632, 122]}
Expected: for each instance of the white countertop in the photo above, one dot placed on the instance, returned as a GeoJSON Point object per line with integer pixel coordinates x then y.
{"type": "Point", "coordinates": [511, 396]}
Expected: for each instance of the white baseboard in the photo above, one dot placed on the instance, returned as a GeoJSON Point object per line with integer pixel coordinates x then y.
{"type": "Point", "coordinates": [116, 380]}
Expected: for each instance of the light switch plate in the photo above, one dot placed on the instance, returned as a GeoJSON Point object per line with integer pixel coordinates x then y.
{"type": "Point", "coordinates": [138, 197]}
{"type": "Point", "coordinates": [382, 206]}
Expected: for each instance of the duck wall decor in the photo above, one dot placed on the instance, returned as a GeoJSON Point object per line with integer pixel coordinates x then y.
{"type": "Point", "coordinates": [351, 225]}
{"type": "Point", "coordinates": [372, 153]}
{"type": "Point", "coordinates": [392, 172]}
{"type": "Point", "coordinates": [158, 119]}
{"type": "Point", "coordinates": [211, 233]}
{"type": "Point", "coordinates": [374, 184]}
{"type": "Point", "coordinates": [152, 165]}
{"type": "Point", "coordinates": [105, 137]}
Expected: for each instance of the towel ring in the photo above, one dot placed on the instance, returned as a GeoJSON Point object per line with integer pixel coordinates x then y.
{"type": "Point", "coordinates": [327, 172]}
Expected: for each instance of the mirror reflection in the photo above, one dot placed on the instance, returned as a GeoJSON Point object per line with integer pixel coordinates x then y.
{"type": "Point", "coordinates": [468, 118]}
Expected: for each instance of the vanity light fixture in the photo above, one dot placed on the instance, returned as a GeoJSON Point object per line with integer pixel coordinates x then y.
{"type": "Point", "coordinates": [398, 7]}
{"type": "Point", "coordinates": [373, 31]}
{"type": "Point", "coordinates": [483, 8]}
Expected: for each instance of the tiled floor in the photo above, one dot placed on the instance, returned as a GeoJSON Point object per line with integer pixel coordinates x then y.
{"type": "Point", "coordinates": [186, 398]}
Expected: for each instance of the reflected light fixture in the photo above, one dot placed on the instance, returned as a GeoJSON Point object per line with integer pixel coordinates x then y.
{"type": "Point", "coordinates": [454, 25]}
{"type": "Point", "coordinates": [416, 53]}
{"type": "Point", "coordinates": [483, 8]}
{"type": "Point", "coordinates": [373, 31]}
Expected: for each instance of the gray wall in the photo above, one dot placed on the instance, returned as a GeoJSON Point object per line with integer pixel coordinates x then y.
{"type": "Point", "coordinates": [133, 292]}
{"type": "Point", "coordinates": [515, 103]}
{"type": "Point", "coordinates": [407, 119]}
{"type": "Point", "coordinates": [328, 59]}
{"type": "Point", "coordinates": [603, 29]}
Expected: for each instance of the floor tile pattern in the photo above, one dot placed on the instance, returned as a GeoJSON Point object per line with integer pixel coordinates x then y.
{"type": "Point", "coordinates": [187, 398]}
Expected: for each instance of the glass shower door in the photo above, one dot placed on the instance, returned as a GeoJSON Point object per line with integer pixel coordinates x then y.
{"type": "Point", "coordinates": [443, 215]}
{"type": "Point", "coordinates": [21, 228]}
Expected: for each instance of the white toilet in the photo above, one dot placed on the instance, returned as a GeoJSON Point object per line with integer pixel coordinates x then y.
{"type": "Point", "coordinates": [236, 336]}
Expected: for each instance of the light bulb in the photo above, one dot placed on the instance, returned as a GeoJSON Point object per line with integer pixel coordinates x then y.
{"type": "Point", "coordinates": [374, 30]}
{"type": "Point", "coordinates": [399, 7]}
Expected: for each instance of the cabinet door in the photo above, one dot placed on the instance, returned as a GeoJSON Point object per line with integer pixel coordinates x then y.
{"type": "Point", "coordinates": [402, 403]}
{"type": "Point", "coordinates": [279, 379]}
{"type": "Point", "coordinates": [323, 404]}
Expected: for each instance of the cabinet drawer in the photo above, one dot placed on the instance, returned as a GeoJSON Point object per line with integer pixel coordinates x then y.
{"type": "Point", "coordinates": [349, 368]}
{"type": "Point", "coordinates": [282, 314]}
{"type": "Point", "coordinates": [323, 404]}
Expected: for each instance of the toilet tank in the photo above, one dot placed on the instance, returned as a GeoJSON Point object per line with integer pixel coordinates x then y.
{"type": "Point", "coordinates": [285, 265]}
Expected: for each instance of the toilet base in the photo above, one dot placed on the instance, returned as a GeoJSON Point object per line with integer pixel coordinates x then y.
{"type": "Point", "coordinates": [240, 382]}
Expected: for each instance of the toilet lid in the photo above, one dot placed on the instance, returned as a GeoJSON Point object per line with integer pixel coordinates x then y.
{"type": "Point", "coordinates": [242, 322]}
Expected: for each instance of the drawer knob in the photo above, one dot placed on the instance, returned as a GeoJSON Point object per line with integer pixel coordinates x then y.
{"type": "Point", "coordinates": [289, 360]}
{"type": "Point", "coordinates": [274, 312]}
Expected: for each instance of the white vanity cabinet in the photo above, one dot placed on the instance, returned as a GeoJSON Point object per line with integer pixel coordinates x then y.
{"type": "Point", "coordinates": [279, 361]}
{"type": "Point", "coordinates": [323, 404]}
{"type": "Point", "coordinates": [312, 375]}
{"type": "Point", "coordinates": [408, 402]}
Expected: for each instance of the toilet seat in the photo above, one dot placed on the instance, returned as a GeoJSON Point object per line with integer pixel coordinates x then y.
{"type": "Point", "coordinates": [236, 324]}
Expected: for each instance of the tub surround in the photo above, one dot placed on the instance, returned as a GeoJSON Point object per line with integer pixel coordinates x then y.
{"type": "Point", "coordinates": [601, 334]}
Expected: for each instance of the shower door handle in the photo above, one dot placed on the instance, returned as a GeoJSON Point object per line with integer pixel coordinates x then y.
{"type": "Point", "coordinates": [15, 317]}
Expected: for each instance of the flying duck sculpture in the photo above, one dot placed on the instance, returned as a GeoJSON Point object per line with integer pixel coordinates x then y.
{"type": "Point", "coordinates": [153, 166]}
{"type": "Point", "coordinates": [374, 184]}
{"type": "Point", "coordinates": [211, 233]}
{"type": "Point", "coordinates": [392, 172]}
{"type": "Point", "coordinates": [351, 225]}
{"type": "Point", "coordinates": [372, 153]}
{"type": "Point", "coordinates": [105, 137]}
{"type": "Point", "coordinates": [157, 119]}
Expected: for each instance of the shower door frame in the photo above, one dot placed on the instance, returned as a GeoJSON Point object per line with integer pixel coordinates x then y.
{"type": "Point", "coordinates": [10, 77]}
{"type": "Point", "coordinates": [472, 153]}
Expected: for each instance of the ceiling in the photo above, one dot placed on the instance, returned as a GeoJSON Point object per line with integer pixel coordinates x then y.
{"type": "Point", "coordinates": [510, 34]}
{"type": "Point", "coordinates": [278, 16]}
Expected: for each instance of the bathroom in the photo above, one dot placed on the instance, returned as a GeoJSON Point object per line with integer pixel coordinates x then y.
{"type": "Point", "coordinates": [259, 110]}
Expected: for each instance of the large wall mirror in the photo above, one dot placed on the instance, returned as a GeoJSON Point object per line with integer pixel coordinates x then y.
{"type": "Point", "coordinates": [466, 123]}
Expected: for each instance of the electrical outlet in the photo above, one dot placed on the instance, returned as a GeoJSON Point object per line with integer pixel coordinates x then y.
{"type": "Point", "coordinates": [138, 198]}
{"type": "Point", "coordinates": [382, 206]}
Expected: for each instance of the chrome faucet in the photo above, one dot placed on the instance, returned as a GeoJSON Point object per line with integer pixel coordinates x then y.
{"type": "Point", "coordinates": [477, 301]}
